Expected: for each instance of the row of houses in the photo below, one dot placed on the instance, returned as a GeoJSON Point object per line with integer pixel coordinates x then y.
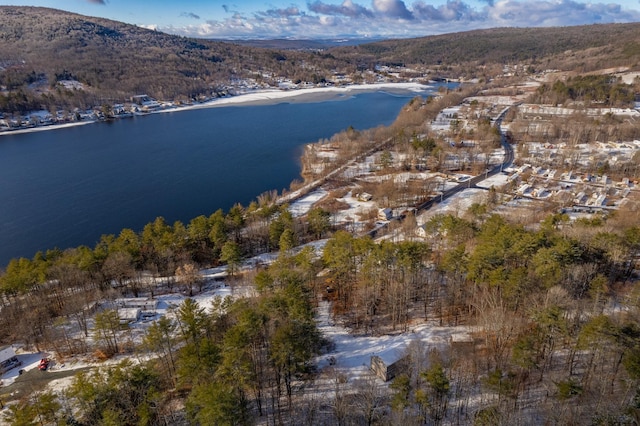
{"type": "Point", "coordinates": [138, 104]}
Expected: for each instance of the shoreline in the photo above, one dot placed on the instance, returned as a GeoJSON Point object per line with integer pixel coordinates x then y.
{"type": "Point", "coordinates": [315, 94]}
{"type": "Point", "coordinates": [261, 97]}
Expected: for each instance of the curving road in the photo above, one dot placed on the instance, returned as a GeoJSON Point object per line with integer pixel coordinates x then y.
{"type": "Point", "coordinates": [508, 160]}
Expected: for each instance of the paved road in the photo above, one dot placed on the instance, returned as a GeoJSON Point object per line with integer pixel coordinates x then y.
{"type": "Point", "coordinates": [508, 160]}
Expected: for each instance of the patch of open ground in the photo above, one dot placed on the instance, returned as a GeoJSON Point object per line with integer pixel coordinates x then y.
{"type": "Point", "coordinates": [33, 381]}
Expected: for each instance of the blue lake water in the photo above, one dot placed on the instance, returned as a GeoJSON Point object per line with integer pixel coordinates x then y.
{"type": "Point", "coordinates": [64, 188]}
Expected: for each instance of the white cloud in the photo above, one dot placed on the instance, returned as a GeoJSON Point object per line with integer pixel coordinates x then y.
{"type": "Point", "coordinates": [392, 9]}
{"type": "Point", "coordinates": [557, 13]}
{"type": "Point", "coordinates": [347, 8]}
{"type": "Point", "coordinates": [450, 11]}
{"type": "Point", "coordinates": [398, 18]}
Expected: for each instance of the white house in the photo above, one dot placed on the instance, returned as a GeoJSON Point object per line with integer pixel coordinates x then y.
{"type": "Point", "coordinates": [385, 214]}
{"type": "Point", "coordinates": [127, 315]}
{"type": "Point", "coordinates": [8, 359]}
{"type": "Point", "coordinates": [137, 303]}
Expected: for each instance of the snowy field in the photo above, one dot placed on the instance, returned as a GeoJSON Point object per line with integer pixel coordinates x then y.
{"type": "Point", "coordinates": [352, 353]}
{"type": "Point", "coordinates": [455, 205]}
{"type": "Point", "coordinates": [302, 206]}
{"type": "Point", "coordinates": [495, 181]}
{"type": "Point", "coordinates": [316, 94]}
{"type": "Point", "coordinates": [357, 209]}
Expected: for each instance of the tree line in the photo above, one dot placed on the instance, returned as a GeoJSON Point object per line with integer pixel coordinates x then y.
{"type": "Point", "coordinates": [600, 90]}
{"type": "Point", "coordinates": [227, 363]}
{"type": "Point", "coordinates": [59, 282]}
{"type": "Point", "coordinates": [552, 311]}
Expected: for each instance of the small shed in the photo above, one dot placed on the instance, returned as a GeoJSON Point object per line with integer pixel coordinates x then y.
{"type": "Point", "coordinates": [364, 196]}
{"type": "Point", "coordinates": [386, 366]}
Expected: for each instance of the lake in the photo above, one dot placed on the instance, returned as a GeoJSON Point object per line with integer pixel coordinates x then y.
{"type": "Point", "coordinates": [66, 187]}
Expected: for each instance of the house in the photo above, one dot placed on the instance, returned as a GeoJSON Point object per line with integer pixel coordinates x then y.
{"type": "Point", "coordinates": [146, 103]}
{"type": "Point", "coordinates": [128, 315]}
{"type": "Point", "coordinates": [541, 193]}
{"type": "Point", "coordinates": [525, 189]}
{"type": "Point", "coordinates": [385, 214]}
{"type": "Point", "coordinates": [386, 367]}
{"type": "Point", "coordinates": [581, 198]}
{"type": "Point", "coordinates": [137, 303]}
{"type": "Point", "coordinates": [8, 359]}
{"type": "Point", "coordinates": [462, 344]}
{"type": "Point", "coordinates": [118, 109]}
{"type": "Point", "coordinates": [364, 196]}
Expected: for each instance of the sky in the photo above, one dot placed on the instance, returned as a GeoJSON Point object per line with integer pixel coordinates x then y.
{"type": "Point", "coordinates": [331, 19]}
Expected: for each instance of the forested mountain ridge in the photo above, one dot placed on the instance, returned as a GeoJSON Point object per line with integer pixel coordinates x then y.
{"type": "Point", "coordinates": [606, 45]}
{"type": "Point", "coordinates": [114, 60]}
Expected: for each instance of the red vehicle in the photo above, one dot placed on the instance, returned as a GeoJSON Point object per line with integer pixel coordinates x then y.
{"type": "Point", "coordinates": [44, 364]}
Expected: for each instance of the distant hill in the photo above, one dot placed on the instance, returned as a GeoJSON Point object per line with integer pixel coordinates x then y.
{"type": "Point", "coordinates": [40, 47]}
{"type": "Point", "coordinates": [286, 44]}
{"type": "Point", "coordinates": [588, 46]}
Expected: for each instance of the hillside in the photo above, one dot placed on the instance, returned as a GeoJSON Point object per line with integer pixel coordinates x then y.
{"type": "Point", "coordinates": [114, 60]}
{"type": "Point", "coordinates": [591, 46]}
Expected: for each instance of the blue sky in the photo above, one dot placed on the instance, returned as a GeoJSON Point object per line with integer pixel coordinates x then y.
{"type": "Point", "coordinates": [343, 18]}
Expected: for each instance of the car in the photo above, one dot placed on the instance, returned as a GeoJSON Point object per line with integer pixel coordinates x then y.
{"type": "Point", "coordinates": [44, 364]}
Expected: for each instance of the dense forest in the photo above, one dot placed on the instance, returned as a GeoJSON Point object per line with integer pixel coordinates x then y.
{"type": "Point", "coordinates": [552, 342]}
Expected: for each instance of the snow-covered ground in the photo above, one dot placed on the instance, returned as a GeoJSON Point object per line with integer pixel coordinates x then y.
{"type": "Point", "coordinates": [352, 354]}
{"type": "Point", "coordinates": [43, 128]}
{"type": "Point", "coordinates": [561, 111]}
{"type": "Point", "coordinates": [445, 117]}
{"type": "Point", "coordinates": [315, 94]}
{"type": "Point", "coordinates": [302, 206]}
{"type": "Point", "coordinates": [495, 181]}
{"type": "Point", "coordinates": [357, 210]}
{"type": "Point", "coordinates": [456, 205]}
{"type": "Point", "coordinates": [29, 361]}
